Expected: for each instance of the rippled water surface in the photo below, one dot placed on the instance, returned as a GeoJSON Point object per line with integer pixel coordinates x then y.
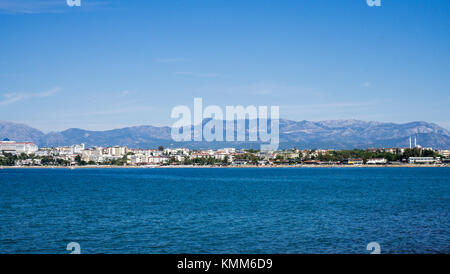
{"type": "Point", "coordinates": [341, 210]}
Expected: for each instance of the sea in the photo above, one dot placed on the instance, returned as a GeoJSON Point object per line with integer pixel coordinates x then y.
{"type": "Point", "coordinates": [225, 210]}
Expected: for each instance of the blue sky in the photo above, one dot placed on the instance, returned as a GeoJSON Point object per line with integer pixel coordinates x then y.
{"type": "Point", "coordinates": [111, 64]}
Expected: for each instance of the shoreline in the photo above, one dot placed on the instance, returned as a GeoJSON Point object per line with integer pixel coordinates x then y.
{"type": "Point", "coordinates": [225, 167]}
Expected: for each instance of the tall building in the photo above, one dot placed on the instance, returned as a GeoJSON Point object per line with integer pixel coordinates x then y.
{"type": "Point", "coordinates": [117, 151]}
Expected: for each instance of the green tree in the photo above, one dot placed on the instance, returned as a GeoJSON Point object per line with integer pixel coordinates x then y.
{"type": "Point", "coordinates": [226, 159]}
{"type": "Point", "coordinates": [78, 159]}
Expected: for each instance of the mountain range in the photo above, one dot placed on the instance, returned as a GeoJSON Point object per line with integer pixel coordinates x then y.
{"type": "Point", "coordinates": [332, 134]}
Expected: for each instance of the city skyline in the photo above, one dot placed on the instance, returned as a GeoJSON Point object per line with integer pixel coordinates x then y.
{"type": "Point", "coordinates": [117, 64]}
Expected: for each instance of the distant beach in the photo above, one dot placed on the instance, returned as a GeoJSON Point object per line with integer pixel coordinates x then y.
{"type": "Point", "coordinates": [221, 167]}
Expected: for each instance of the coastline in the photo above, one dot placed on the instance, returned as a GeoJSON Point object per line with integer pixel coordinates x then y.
{"type": "Point", "coordinates": [222, 167]}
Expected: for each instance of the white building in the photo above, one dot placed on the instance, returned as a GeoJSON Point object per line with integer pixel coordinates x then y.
{"type": "Point", "coordinates": [223, 156]}
{"type": "Point", "coordinates": [196, 155]}
{"type": "Point", "coordinates": [117, 151]}
{"type": "Point", "coordinates": [146, 160]}
{"type": "Point", "coordinates": [179, 158]}
{"type": "Point", "coordinates": [42, 153]}
{"type": "Point", "coordinates": [93, 154]}
{"type": "Point", "coordinates": [229, 150]}
{"type": "Point", "coordinates": [176, 151]}
{"type": "Point", "coordinates": [158, 160]}
{"type": "Point", "coordinates": [422, 160]}
{"type": "Point", "coordinates": [445, 153]}
{"type": "Point", "coordinates": [77, 149]}
{"type": "Point", "coordinates": [18, 147]}
{"type": "Point", "coordinates": [379, 161]}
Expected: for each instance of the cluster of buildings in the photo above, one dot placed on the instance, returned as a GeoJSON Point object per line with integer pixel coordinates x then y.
{"type": "Point", "coordinates": [81, 155]}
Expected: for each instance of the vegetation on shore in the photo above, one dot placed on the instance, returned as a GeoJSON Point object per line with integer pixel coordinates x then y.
{"type": "Point", "coordinates": [366, 155]}
{"type": "Point", "coordinates": [249, 157]}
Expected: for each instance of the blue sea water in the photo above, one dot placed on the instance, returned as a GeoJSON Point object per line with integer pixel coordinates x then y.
{"type": "Point", "coordinates": [273, 210]}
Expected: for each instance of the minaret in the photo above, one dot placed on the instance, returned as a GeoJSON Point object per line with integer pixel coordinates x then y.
{"type": "Point", "coordinates": [410, 142]}
{"type": "Point", "coordinates": [415, 141]}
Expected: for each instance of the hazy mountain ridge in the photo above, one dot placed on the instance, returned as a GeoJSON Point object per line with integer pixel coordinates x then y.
{"type": "Point", "coordinates": [19, 132]}
{"type": "Point", "coordinates": [338, 134]}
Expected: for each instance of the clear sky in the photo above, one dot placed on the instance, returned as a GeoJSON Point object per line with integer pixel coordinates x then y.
{"type": "Point", "coordinates": [117, 63]}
